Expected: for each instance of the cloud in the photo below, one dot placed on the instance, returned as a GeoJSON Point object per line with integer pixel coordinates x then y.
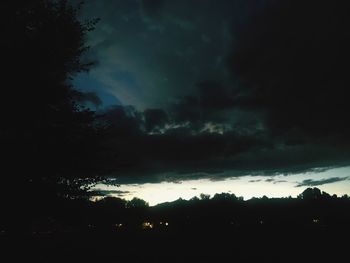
{"type": "Point", "coordinates": [110, 192]}
{"type": "Point", "coordinates": [173, 152]}
{"type": "Point", "coordinates": [124, 121]}
{"type": "Point", "coordinates": [275, 181]}
{"type": "Point", "coordinates": [311, 182]}
{"type": "Point", "coordinates": [279, 181]}
{"type": "Point", "coordinates": [83, 97]}
{"type": "Point", "coordinates": [289, 60]}
{"type": "Point", "coordinates": [152, 8]}
{"type": "Point", "coordinates": [213, 96]}
{"type": "Point", "coordinates": [164, 49]}
{"type": "Point", "coordinates": [259, 88]}
{"type": "Point", "coordinates": [254, 181]}
{"type": "Point", "coordinates": [155, 118]}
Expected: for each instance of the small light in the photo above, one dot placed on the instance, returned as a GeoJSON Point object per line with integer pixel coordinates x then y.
{"type": "Point", "coordinates": [147, 225]}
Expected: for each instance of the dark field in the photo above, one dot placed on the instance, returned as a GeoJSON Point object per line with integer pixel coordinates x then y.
{"type": "Point", "coordinates": [315, 226]}
{"type": "Point", "coordinates": [205, 245]}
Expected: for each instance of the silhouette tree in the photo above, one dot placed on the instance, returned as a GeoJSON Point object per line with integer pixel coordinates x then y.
{"type": "Point", "coordinates": [47, 139]}
{"type": "Point", "coordinates": [345, 197]}
{"type": "Point", "coordinates": [204, 197]}
{"type": "Point", "coordinates": [112, 203]}
{"type": "Point", "coordinates": [311, 194]}
{"type": "Point", "coordinates": [137, 203]}
{"type": "Point", "coordinates": [225, 197]}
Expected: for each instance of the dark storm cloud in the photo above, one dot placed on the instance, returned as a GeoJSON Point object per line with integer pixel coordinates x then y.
{"type": "Point", "coordinates": [165, 46]}
{"type": "Point", "coordinates": [311, 182]}
{"type": "Point", "coordinates": [213, 96]}
{"type": "Point", "coordinates": [223, 88]}
{"type": "Point", "coordinates": [88, 97]}
{"type": "Point", "coordinates": [155, 118]}
{"type": "Point", "coordinates": [152, 7]}
{"type": "Point", "coordinates": [210, 101]}
{"type": "Point", "coordinates": [172, 152]}
{"type": "Point", "coordinates": [124, 121]}
{"type": "Point", "coordinates": [291, 60]}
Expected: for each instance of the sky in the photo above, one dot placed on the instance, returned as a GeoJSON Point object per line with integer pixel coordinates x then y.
{"type": "Point", "coordinates": [214, 93]}
{"type": "Point", "coordinates": [334, 181]}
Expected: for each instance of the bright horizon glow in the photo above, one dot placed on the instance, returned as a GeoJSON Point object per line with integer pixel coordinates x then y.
{"type": "Point", "coordinates": [245, 186]}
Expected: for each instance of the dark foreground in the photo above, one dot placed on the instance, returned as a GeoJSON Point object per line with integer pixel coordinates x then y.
{"type": "Point", "coordinates": [260, 244]}
{"type": "Point", "coordinates": [313, 227]}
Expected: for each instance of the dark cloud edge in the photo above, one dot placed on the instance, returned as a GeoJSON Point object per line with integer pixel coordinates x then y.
{"type": "Point", "coordinates": [331, 180]}
{"type": "Point", "coordinates": [174, 177]}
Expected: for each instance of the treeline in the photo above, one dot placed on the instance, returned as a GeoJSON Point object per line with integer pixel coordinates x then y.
{"type": "Point", "coordinates": [312, 208]}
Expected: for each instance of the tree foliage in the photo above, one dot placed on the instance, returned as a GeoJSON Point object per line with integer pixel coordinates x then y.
{"type": "Point", "coordinates": [46, 136]}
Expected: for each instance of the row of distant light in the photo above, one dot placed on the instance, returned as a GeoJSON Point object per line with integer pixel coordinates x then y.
{"type": "Point", "coordinates": [150, 225]}
{"type": "Point", "coordinates": [146, 225]}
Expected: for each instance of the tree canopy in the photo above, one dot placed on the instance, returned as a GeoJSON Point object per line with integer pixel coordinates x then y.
{"type": "Point", "coordinates": [45, 133]}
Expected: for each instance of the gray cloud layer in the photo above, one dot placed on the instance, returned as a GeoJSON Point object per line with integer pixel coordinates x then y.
{"type": "Point", "coordinates": [250, 87]}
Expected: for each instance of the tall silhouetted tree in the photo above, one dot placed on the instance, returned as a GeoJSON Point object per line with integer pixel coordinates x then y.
{"type": "Point", "coordinates": [47, 139]}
